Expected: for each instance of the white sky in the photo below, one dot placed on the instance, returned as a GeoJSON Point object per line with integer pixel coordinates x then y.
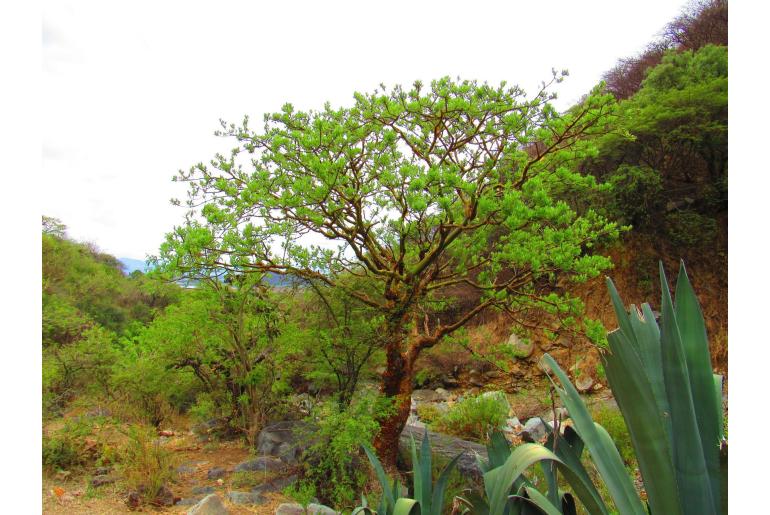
{"type": "Point", "coordinates": [132, 92]}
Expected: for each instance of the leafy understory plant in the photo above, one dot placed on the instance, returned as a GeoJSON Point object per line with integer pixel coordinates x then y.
{"type": "Point", "coordinates": [427, 498]}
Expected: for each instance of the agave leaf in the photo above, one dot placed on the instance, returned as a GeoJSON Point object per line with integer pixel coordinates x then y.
{"type": "Point", "coordinates": [388, 498]}
{"type": "Point", "coordinates": [708, 413]}
{"type": "Point", "coordinates": [437, 502]}
{"type": "Point", "coordinates": [541, 501]}
{"type": "Point", "coordinates": [565, 449]}
{"type": "Point", "coordinates": [718, 397]}
{"type": "Point", "coordinates": [646, 426]}
{"type": "Point", "coordinates": [426, 476]}
{"type": "Point", "coordinates": [498, 481]}
{"type": "Point", "coordinates": [416, 473]}
{"type": "Point", "coordinates": [405, 506]}
{"type": "Point", "coordinates": [620, 312]}
{"type": "Point", "coordinates": [693, 479]}
{"type": "Point", "coordinates": [498, 450]}
{"type": "Point", "coordinates": [549, 471]}
{"type": "Point", "coordinates": [605, 456]}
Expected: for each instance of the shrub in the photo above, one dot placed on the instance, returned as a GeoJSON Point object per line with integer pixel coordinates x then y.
{"type": "Point", "coordinates": [332, 462]}
{"type": "Point", "coordinates": [145, 465]}
{"type": "Point", "coordinates": [688, 228]}
{"type": "Point", "coordinates": [473, 417]}
{"type": "Point", "coordinates": [76, 444]}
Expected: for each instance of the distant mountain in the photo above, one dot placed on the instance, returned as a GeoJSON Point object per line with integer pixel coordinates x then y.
{"type": "Point", "coordinates": [275, 280]}
{"type": "Point", "coordinates": [131, 265]}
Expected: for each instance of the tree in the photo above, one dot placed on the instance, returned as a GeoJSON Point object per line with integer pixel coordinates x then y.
{"type": "Point", "coordinates": [422, 191]}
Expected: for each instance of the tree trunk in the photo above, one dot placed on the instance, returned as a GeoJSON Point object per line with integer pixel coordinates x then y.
{"type": "Point", "coordinates": [396, 385]}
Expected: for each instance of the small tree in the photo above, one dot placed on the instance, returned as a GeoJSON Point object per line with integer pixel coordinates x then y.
{"type": "Point", "coordinates": [423, 192]}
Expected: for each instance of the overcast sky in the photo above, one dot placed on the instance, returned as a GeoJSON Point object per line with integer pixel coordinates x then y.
{"type": "Point", "coordinates": [133, 91]}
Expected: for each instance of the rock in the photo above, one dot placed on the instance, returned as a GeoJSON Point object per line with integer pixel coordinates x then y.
{"type": "Point", "coordinates": [164, 497]}
{"type": "Point", "coordinates": [261, 464]}
{"type": "Point", "coordinates": [422, 396]}
{"type": "Point", "coordinates": [216, 473]}
{"type": "Point", "coordinates": [101, 480]}
{"type": "Point", "coordinates": [298, 509]}
{"type": "Point", "coordinates": [276, 485]}
{"type": "Point", "coordinates": [245, 498]}
{"type": "Point", "coordinates": [445, 395]}
{"type": "Point", "coordinates": [534, 430]}
{"type": "Point", "coordinates": [185, 469]}
{"type": "Point", "coordinates": [134, 500]}
{"type": "Point", "coordinates": [102, 471]}
{"type": "Point", "coordinates": [448, 447]}
{"type": "Point", "coordinates": [286, 440]}
{"type": "Point", "coordinates": [450, 382]}
{"type": "Point", "coordinates": [413, 420]}
{"type": "Point", "coordinates": [209, 505]}
{"type": "Point", "coordinates": [521, 348]}
{"type": "Point", "coordinates": [597, 387]}
{"type": "Point", "coordinates": [513, 425]}
{"type": "Point", "coordinates": [189, 501]}
{"type": "Point", "coordinates": [203, 490]}
{"type": "Point", "coordinates": [584, 383]}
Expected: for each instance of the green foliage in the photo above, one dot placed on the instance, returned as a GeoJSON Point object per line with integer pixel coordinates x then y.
{"type": "Point", "coordinates": [426, 497]}
{"type": "Point", "coordinates": [145, 465]}
{"type": "Point", "coordinates": [690, 229]}
{"type": "Point", "coordinates": [332, 462]}
{"type": "Point", "coordinates": [473, 417]}
{"type": "Point", "coordinates": [88, 306]}
{"type": "Point", "coordinates": [79, 443]}
{"type": "Point", "coordinates": [408, 188]}
{"type": "Point", "coordinates": [669, 149]}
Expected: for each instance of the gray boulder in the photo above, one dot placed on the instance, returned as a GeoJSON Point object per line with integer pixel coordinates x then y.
{"type": "Point", "coordinates": [203, 490]}
{"type": "Point", "coordinates": [447, 447]}
{"type": "Point", "coordinates": [209, 505]}
{"type": "Point", "coordinates": [298, 509]}
{"type": "Point", "coordinates": [276, 485]}
{"type": "Point", "coordinates": [261, 464]}
{"type": "Point", "coordinates": [285, 440]}
{"type": "Point", "coordinates": [534, 430]}
{"type": "Point", "coordinates": [188, 501]}
{"type": "Point", "coordinates": [247, 498]}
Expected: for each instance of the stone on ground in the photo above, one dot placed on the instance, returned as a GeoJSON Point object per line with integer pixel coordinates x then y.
{"type": "Point", "coordinates": [209, 505]}
{"type": "Point", "coordinates": [216, 473]}
{"type": "Point", "coordinates": [297, 509]}
{"type": "Point", "coordinates": [261, 464]}
{"type": "Point", "coordinates": [245, 498]}
{"type": "Point", "coordinates": [521, 348]}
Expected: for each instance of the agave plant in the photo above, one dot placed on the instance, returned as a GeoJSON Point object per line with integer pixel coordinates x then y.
{"type": "Point", "coordinates": [426, 499]}
{"type": "Point", "coordinates": [508, 490]}
{"type": "Point", "coordinates": [662, 380]}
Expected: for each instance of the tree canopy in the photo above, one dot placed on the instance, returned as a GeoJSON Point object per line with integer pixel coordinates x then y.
{"type": "Point", "coordinates": [454, 187]}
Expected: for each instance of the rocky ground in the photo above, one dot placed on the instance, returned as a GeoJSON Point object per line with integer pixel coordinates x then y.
{"type": "Point", "coordinates": [217, 477]}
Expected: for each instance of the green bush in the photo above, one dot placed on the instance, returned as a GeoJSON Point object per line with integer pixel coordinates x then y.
{"type": "Point", "coordinates": [690, 229]}
{"type": "Point", "coordinates": [333, 462]}
{"type": "Point", "coordinates": [473, 417]}
{"type": "Point", "coordinates": [145, 465]}
{"type": "Point", "coordinates": [77, 444]}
